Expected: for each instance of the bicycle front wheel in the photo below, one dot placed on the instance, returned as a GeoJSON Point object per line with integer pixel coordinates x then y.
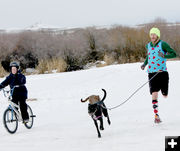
{"type": "Point", "coordinates": [29, 124]}
{"type": "Point", "coordinates": [10, 121]}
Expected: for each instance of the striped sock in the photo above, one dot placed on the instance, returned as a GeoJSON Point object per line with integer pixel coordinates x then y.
{"type": "Point", "coordinates": [155, 107]}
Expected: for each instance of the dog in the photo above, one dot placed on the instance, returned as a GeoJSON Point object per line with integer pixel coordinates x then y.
{"type": "Point", "coordinates": [96, 109]}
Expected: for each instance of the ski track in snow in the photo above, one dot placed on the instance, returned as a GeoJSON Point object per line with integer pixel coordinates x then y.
{"type": "Point", "coordinates": [62, 121]}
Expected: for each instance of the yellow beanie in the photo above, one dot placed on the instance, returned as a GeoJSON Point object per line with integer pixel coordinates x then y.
{"type": "Point", "coordinates": [155, 31]}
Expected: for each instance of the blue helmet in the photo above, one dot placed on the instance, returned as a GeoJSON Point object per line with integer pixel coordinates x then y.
{"type": "Point", "coordinates": [14, 64]}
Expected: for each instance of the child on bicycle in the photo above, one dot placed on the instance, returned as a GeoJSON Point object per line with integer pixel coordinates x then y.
{"type": "Point", "coordinates": [16, 80]}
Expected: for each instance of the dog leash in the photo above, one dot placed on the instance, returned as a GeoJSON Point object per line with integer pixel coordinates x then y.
{"type": "Point", "coordinates": [130, 95]}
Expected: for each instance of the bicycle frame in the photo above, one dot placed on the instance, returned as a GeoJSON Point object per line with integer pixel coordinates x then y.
{"type": "Point", "coordinates": [14, 107]}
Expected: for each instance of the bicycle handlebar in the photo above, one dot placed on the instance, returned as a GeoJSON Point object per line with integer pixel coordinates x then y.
{"type": "Point", "coordinates": [6, 92]}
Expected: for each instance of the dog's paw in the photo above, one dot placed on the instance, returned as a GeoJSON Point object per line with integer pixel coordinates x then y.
{"type": "Point", "coordinates": [101, 128]}
{"type": "Point", "coordinates": [109, 122]}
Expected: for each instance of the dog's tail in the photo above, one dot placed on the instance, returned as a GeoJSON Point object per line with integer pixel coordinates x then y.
{"type": "Point", "coordinates": [103, 96]}
{"type": "Point", "coordinates": [84, 100]}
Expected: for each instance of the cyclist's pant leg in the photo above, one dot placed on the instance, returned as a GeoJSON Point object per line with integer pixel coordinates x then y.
{"type": "Point", "coordinates": [23, 108]}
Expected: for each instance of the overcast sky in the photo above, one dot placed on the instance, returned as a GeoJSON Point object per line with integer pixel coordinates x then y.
{"type": "Point", "coordinates": [80, 13]}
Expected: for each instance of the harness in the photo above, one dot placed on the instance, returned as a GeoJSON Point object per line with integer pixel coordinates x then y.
{"type": "Point", "coordinates": [96, 118]}
{"type": "Point", "coordinates": [93, 114]}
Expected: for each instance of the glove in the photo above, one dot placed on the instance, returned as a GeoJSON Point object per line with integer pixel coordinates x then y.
{"type": "Point", "coordinates": [143, 66]}
{"type": "Point", "coordinates": [161, 54]}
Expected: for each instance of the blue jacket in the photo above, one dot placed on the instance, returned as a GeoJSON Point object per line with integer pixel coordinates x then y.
{"type": "Point", "coordinates": [16, 80]}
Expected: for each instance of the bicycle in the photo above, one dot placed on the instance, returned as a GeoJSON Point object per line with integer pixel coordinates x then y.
{"type": "Point", "coordinates": [12, 115]}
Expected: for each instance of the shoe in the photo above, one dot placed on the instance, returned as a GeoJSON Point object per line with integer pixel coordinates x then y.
{"type": "Point", "coordinates": [157, 119]}
{"type": "Point", "coordinates": [25, 121]}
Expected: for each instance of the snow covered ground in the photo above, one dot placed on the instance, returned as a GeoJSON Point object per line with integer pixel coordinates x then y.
{"type": "Point", "coordinates": [62, 122]}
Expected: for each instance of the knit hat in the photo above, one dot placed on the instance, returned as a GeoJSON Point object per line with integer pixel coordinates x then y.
{"type": "Point", "coordinates": [155, 31]}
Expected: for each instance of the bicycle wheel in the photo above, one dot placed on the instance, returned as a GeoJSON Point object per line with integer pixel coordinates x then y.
{"type": "Point", "coordinates": [29, 124]}
{"type": "Point", "coordinates": [10, 121]}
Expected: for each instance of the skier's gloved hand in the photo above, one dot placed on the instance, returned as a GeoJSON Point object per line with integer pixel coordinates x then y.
{"type": "Point", "coordinates": [161, 54]}
{"type": "Point", "coordinates": [143, 66]}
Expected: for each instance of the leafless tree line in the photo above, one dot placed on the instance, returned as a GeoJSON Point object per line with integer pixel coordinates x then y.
{"type": "Point", "coordinates": [77, 48]}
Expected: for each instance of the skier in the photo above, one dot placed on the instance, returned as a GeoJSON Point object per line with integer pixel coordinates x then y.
{"type": "Point", "coordinates": [157, 53]}
{"type": "Point", "coordinates": [17, 81]}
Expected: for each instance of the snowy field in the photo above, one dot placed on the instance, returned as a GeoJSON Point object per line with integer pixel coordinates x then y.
{"type": "Point", "coordinates": [63, 124]}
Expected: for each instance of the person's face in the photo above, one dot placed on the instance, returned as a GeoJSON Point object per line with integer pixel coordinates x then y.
{"type": "Point", "coordinates": [14, 70]}
{"type": "Point", "coordinates": [154, 38]}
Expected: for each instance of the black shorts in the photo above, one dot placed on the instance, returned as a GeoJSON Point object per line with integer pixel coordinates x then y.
{"type": "Point", "coordinates": [159, 82]}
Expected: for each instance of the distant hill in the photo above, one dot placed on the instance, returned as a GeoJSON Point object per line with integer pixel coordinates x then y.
{"type": "Point", "coordinates": [58, 30]}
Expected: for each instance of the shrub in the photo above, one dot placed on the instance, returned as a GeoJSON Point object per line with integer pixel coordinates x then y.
{"type": "Point", "coordinates": [48, 66]}
{"type": "Point", "coordinates": [2, 72]}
